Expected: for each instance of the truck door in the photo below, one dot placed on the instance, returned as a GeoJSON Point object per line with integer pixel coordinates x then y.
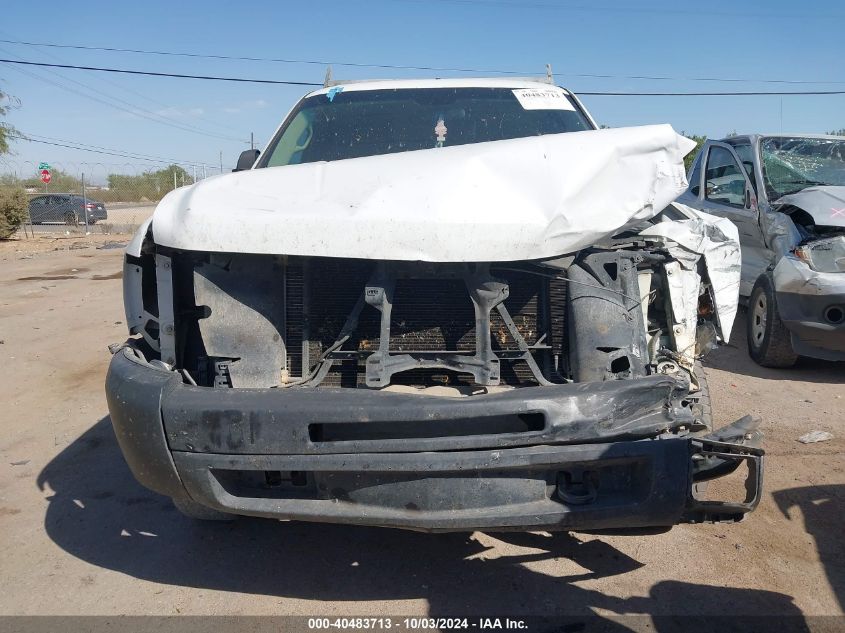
{"type": "Point", "coordinates": [729, 193]}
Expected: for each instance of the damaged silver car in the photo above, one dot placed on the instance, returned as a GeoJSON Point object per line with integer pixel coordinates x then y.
{"type": "Point", "coordinates": [435, 305]}
{"type": "Point", "coordinates": [786, 193]}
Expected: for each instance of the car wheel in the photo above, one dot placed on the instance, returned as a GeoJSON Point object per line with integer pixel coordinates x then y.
{"type": "Point", "coordinates": [71, 219]}
{"type": "Point", "coordinates": [769, 342]}
{"type": "Point", "coordinates": [194, 510]}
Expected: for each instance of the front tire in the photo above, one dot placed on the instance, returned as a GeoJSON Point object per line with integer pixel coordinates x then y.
{"type": "Point", "coordinates": [71, 219]}
{"type": "Point", "coordinates": [769, 342]}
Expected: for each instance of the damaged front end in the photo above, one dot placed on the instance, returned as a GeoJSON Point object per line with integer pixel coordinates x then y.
{"type": "Point", "coordinates": [809, 276]}
{"type": "Point", "coordinates": [559, 392]}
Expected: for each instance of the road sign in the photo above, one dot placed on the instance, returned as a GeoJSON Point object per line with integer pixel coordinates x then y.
{"type": "Point", "coordinates": [45, 176]}
{"type": "Point", "coordinates": [43, 165]}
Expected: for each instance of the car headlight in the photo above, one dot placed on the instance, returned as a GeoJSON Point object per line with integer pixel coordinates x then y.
{"type": "Point", "coordinates": [824, 256]}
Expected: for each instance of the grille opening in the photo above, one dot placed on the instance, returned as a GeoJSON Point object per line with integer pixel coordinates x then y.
{"type": "Point", "coordinates": [429, 314]}
{"type": "Point", "coordinates": [417, 429]}
{"type": "Point", "coordinates": [276, 478]}
{"type": "Point", "coordinates": [432, 312]}
{"type": "Point", "coordinates": [267, 484]}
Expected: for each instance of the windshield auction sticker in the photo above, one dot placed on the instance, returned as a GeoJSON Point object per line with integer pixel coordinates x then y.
{"type": "Point", "coordinates": [543, 99]}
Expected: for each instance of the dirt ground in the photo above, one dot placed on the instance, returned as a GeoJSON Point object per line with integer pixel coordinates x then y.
{"type": "Point", "coordinates": [79, 536]}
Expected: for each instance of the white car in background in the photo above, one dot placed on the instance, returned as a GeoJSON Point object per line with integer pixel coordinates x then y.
{"type": "Point", "coordinates": [786, 194]}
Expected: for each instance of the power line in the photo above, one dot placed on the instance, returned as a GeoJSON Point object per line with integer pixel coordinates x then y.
{"type": "Point", "coordinates": [127, 89]}
{"type": "Point", "coordinates": [118, 154]}
{"type": "Point", "coordinates": [268, 59]}
{"type": "Point", "coordinates": [105, 153]}
{"type": "Point", "coordinates": [158, 74]}
{"type": "Point", "coordinates": [305, 83]}
{"type": "Point", "coordinates": [37, 138]}
{"type": "Point", "coordinates": [132, 109]}
{"type": "Point", "coordinates": [408, 67]}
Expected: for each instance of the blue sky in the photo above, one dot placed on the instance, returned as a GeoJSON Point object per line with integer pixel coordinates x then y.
{"type": "Point", "coordinates": [755, 39]}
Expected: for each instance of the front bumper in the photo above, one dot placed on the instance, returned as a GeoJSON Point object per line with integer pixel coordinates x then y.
{"type": "Point", "coordinates": [418, 462]}
{"type": "Point", "coordinates": [94, 215]}
{"type": "Point", "coordinates": [806, 300]}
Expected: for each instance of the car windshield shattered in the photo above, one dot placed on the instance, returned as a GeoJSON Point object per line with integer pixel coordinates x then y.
{"type": "Point", "coordinates": [356, 123]}
{"type": "Point", "coordinates": [791, 164]}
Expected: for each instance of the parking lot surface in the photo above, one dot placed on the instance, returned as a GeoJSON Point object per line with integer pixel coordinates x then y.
{"type": "Point", "coordinates": [80, 536]}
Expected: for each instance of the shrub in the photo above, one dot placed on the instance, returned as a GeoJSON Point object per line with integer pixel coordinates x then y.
{"type": "Point", "coordinates": [13, 210]}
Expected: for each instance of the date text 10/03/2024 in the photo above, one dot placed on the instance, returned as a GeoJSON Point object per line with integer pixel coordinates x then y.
{"type": "Point", "coordinates": [417, 624]}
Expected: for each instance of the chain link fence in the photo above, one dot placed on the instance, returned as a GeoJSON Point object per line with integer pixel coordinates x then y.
{"type": "Point", "coordinates": [94, 196]}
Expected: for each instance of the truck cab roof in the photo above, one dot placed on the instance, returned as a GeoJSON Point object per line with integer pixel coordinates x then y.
{"type": "Point", "coordinates": [465, 82]}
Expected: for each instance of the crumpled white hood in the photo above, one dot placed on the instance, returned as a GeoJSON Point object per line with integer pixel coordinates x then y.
{"type": "Point", "coordinates": [508, 200]}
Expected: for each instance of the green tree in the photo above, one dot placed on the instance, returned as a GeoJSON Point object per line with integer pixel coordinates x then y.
{"type": "Point", "coordinates": [13, 206]}
{"type": "Point", "coordinates": [13, 210]}
{"type": "Point", "coordinates": [6, 130]}
{"type": "Point", "coordinates": [699, 141]}
{"type": "Point", "coordinates": [839, 132]}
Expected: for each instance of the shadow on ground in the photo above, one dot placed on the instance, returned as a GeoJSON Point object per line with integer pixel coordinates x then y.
{"type": "Point", "coordinates": [98, 513]}
{"type": "Point", "coordinates": [734, 358]}
{"type": "Point", "coordinates": [822, 508]}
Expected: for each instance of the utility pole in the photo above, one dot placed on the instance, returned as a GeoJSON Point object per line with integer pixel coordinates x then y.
{"type": "Point", "coordinates": [251, 141]}
{"type": "Point", "coordinates": [221, 161]}
{"type": "Point", "coordinates": [174, 178]}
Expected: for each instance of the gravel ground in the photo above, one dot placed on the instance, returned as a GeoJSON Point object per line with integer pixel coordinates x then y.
{"type": "Point", "coordinates": [79, 536]}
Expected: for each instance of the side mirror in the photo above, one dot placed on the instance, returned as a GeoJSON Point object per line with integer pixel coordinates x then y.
{"type": "Point", "coordinates": [247, 159]}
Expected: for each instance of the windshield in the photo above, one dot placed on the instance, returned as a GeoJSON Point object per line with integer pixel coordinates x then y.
{"type": "Point", "coordinates": [791, 164]}
{"type": "Point", "coordinates": [358, 123]}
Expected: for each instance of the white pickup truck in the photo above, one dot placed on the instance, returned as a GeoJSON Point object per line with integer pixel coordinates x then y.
{"type": "Point", "coordinates": [435, 305]}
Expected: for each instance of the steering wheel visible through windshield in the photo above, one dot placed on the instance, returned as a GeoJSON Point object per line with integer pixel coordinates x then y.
{"type": "Point", "coordinates": [791, 164]}
{"type": "Point", "coordinates": [356, 123]}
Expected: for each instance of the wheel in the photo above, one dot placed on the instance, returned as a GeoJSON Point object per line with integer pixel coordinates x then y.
{"type": "Point", "coordinates": [194, 510]}
{"type": "Point", "coordinates": [769, 342]}
{"type": "Point", "coordinates": [71, 219]}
